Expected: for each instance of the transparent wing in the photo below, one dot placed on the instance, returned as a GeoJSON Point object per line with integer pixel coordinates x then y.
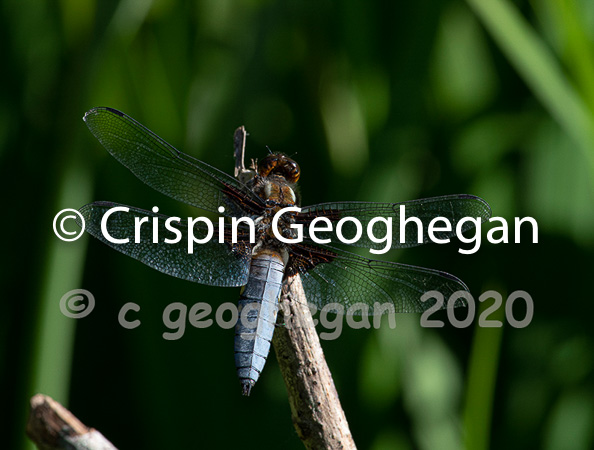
{"type": "Point", "coordinates": [451, 207]}
{"type": "Point", "coordinates": [213, 263]}
{"type": "Point", "coordinates": [330, 275]}
{"type": "Point", "coordinates": [168, 170]}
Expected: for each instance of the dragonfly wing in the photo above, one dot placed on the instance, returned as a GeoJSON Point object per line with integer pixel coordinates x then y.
{"type": "Point", "coordinates": [332, 277]}
{"type": "Point", "coordinates": [211, 263]}
{"type": "Point", "coordinates": [166, 169]}
{"type": "Point", "coordinates": [451, 207]}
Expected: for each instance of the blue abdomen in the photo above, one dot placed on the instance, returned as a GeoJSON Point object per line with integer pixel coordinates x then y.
{"type": "Point", "coordinates": [258, 306]}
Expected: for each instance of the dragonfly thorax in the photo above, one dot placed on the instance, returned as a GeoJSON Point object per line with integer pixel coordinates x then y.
{"type": "Point", "coordinates": [272, 186]}
{"type": "Point", "coordinates": [265, 236]}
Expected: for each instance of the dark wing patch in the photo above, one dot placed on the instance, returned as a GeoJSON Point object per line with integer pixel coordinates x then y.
{"type": "Point", "coordinates": [305, 257]}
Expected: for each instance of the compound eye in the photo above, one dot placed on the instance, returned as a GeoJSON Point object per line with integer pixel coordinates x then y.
{"type": "Point", "coordinates": [292, 171]}
{"type": "Point", "coordinates": [267, 165]}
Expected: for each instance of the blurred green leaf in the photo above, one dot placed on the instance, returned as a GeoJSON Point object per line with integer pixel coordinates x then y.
{"type": "Point", "coordinates": [540, 70]}
{"type": "Point", "coordinates": [570, 425]}
{"type": "Point", "coordinates": [462, 72]}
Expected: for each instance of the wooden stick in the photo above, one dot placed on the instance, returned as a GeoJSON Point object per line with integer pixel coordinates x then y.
{"type": "Point", "coordinates": [241, 173]}
{"type": "Point", "coordinates": [315, 407]}
{"type": "Point", "coordinates": [51, 426]}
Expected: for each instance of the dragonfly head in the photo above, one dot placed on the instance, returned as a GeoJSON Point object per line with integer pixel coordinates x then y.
{"type": "Point", "coordinates": [279, 165]}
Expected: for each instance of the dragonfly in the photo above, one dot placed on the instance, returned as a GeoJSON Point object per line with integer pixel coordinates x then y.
{"type": "Point", "coordinates": [256, 259]}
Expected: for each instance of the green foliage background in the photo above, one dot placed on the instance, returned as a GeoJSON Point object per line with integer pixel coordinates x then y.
{"type": "Point", "coordinates": [378, 101]}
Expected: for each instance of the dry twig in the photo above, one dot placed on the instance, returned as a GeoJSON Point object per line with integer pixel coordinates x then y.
{"type": "Point", "coordinates": [51, 427]}
{"type": "Point", "coordinates": [316, 411]}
